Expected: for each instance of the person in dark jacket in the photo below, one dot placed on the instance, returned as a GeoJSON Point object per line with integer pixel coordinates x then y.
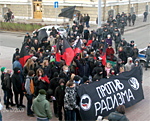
{"type": "Point", "coordinates": [117, 66]}
{"type": "Point", "coordinates": [105, 33]}
{"type": "Point", "coordinates": [33, 38]}
{"type": "Point", "coordinates": [59, 95]}
{"type": "Point", "coordinates": [46, 68]}
{"type": "Point", "coordinates": [86, 33]}
{"type": "Point", "coordinates": [98, 75]}
{"type": "Point", "coordinates": [35, 44]}
{"type": "Point", "coordinates": [87, 20]}
{"type": "Point", "coordinates": [122, 55]}
{"type": "Point", "coordinates": [53, 32]}
{"type": "Point", "coordinates": [80, 28]}
{"type": "Point", "coordinates": [41, 81]}
{"type": "Point", "coordinates": [54, 83]}
{"type": "Point", "coordinates": [132, 43]}
{"type": "Point", "coordinates": [135, 52]}
{"type": "Point", "coordinates": [118, 115]}
{"type": "Point", "coordinates": [147, 56]}
{"type": "Point", "coordinates": [94, 43]}
{"type": "Point", "coordinates": [145, 16]}
{"type": "Point", "coordinates": [3, 71]}
{"type": "Point", "coordinates": [17, 87]}
{"type": "Point", "coordinates": [74, 27]}
{"type": "Point", "coordinates": [137, 64]}
{"type": "Point", "coordinates": [27, 36]}
{"type": "Point", "coordinates": [122, 26]}
{"type": "Point", "coordinates": [99, 32]}
{"type": "Point", "coordinates": [129, 19]}
{"type": "Point", "coordinates": [133, 18]}
{"type": "Point", "coordinates": [128, 50]}
{"type": "Point", "coordinates": [109, 40]}
{"type": "Point", "coordinates": [7, 82]}
{"type": "Point", "coordinates": [83, 67]}
{"type": "Point", "coordinates": [117, 40]}
{"type": "Point", "coordinates": [15, 54]}
{"type": "Point", "coordinates": [65, 74]}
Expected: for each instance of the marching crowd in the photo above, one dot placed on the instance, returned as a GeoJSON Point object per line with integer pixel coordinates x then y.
{"type": "Point", "coordinates": [44, 79]}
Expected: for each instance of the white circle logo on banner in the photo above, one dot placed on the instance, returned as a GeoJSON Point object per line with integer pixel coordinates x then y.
{"type": "Point", "coordinates": [85, 102]}
{"type": "Point", "coordinates": [134, 83]}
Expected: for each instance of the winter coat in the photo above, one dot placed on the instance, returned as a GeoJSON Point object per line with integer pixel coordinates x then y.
{"type": "Point", "coordinates": [122, 56]}
{"type": "Point", "coordinates": [135, 52]}
{"type": "Point", "coordinates": [86, 34]}
{"type": "Point", "coordinates": [80, 28]}
{"type": "Point", "coordinates": [2, 81]}
{"type": "Point", "coordinates": [54, 82]}
{"type": "Point", "coordinates": [41, 107]}
{"type": "Point", "coordinates": [99, 31]}
{"type": "Point", "coordinates": [28, 86]}
{"type": "Point", "coordinates": [109, 41]}
{"type": "Point", "coordinates": [116, 116]}
{"type": "Point", "coordinates": [14, 56]}
{"type": "Point", "coordinates": [83, 69]}
{"type": "Point", "coordinates": [17, 64]}
{"type": "Point", "coordinates": [64, 76]}
{"type": "Point", "coordinates": [59, 95]}
{"type": "Point", "coordinates": [70, 98]}
{"type": "Point", "coordinates": [133, 17]}
{"type": "Point", "coordinates": [95, 44]}
{"type": "Point", "coordinates": [128, 65]}
{"type": "Point", "coordinates": [47, 71]}
{"type": "Point", "coordinates": [7, 81]}
{"type": "Point", "coordinates": [129, 51]}
{"type": "Point", "coordinates": [36, 46]}
{"type": "Point", "coordinates": [148, 51]}
{"type": "Point", "coordinates": [117, 39]}
{"type": "Point", "coordinates": [110, 52]}
{"type": "Point", "coordinates": [40, 84]}
{"type": "Point", "coordinates": [16, 80]}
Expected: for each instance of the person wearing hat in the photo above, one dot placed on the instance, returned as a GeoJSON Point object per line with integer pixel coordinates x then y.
{"type": "Point", "coordinates": [59, 95]}
{"type": "Point", "coordinates": [117, 40]}
{"type": "Point", "coordinates": [3, 71]}
{"type": "Point", "coordinates": [132, 43]}
{"type": "Point", "coordinates": [27, 36]}
{"type": "Point", "coordinates": [41, 107]}
{"type": "Point", "coordinates": [15, 54]}
{"type": "Point", "coordinates": [133, 17]}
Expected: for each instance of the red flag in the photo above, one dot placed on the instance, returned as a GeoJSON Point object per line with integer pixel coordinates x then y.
{"type": "Point", "coordinates": [77, 48]}
{"type": "Point", "coordinates": [103, 56]}
{"type": "Point", "coordinates": [58, 56]}
{"type": "Point", "coordinates": [68, 53]}
{"type": "Point", "coordinates": [89, 42]}
{"type": "Point", "coordinates": [24, 55]}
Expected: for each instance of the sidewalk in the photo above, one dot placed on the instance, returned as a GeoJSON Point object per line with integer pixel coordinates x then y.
{"type": "Point", "coordinates": [138, 23]}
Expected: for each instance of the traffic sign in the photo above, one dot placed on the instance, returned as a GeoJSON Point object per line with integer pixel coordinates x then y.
{"type": "Point", "coordinates": [56, 4]}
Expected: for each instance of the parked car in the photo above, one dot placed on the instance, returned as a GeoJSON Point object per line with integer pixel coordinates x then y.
{"type": "Point", "coordinates": [142, 57]}
{"type": "Point", "coordinates": [60, 29]}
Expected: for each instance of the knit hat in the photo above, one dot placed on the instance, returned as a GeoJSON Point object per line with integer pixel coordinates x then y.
{"type": "Point", "coordinates": [76, 78]}
{"type": "Point", "coordinates": [2, 69]}
{"type": "Point", "coordinates": [42, 92]}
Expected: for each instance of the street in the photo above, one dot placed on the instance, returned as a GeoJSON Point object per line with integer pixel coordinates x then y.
{"type": "Point", "coordinates": [139, 112]}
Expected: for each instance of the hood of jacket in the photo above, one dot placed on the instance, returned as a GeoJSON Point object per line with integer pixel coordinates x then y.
{"type": "Point", "coordinates": [41, 98]}
{"type": "Point", "coordinates": [16, 69]}
{"type": "Point", "coordinates": [137, 60]}
{"type": "Point", "coordinates": [129, 59]}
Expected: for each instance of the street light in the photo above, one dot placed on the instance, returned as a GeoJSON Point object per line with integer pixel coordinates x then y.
{"type": "Point", "coordinates": [99, 13]}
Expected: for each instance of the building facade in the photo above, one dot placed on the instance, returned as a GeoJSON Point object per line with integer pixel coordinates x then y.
{"type": "Point", "coordinates": [44, 9]}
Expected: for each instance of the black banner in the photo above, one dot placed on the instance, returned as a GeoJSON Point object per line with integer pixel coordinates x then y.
{"type": "Point", "coordinates": [102, 97]}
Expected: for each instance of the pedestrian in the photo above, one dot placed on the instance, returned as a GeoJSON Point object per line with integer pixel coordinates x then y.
{"type": "Point", "coordinates": [70, 102]}
{"type": "Point", "coordinates": [99, 32]}
{"type": "Point", "coordinates": [109, 40]}
{"type": "Point", "coordinates": [133, 18]}
{"type": "Point", "coordinates": [145, 16]}
{"type": "Point", "coordinates": [27, 36]}
{"type": "Point", "coordinates": [54, 83]}
{"type": "Point", "coordinates": [132, 43]}
{"type": "Point", "coordinates": [122, 26]}
{"type": "Point", "coordinates": [129, 19]}
{"type": "Point", "coordinates": [9, 96]}
{"type": "Point", "coordinates": [128, 66]}
{"type": "Point", "coordinates": [41, 107]}
{"type": "Point", "coordinates": [17, 87]}
{"type": "Point", "coordinates": [68, 30]}
{"type": "Point", "coordinates": [3, 71]}
{"type": "Point", "coordinates": [110, 53]}
{"type": "Point", "coordinates": [87, 20]}
{"type": "Point", "coordinates": [117, 40]}
{"type": "Point", "coordinates": [118, 115]}
{"type": "Point", "coordinates": [15, 54]}
{"type": "Point", "coordinates": [147, 56]}
{"type": "Point", "coordinates": [29, 87]}
{"type": "Point", "coordinates": [86, 34]}
{"type": "Point", "coordinates": [59, 95]}
{"type": "Point", "coordinates": [122, 55]}
{"type": "Point", "coordinates": [135, 52]}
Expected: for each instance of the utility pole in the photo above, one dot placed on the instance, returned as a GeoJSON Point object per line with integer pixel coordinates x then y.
{"type": "Point", "coordinates": [129, 7]}
{"type": "Point", "coordinates": [104, 16]}
{"type": "Point", "coordinates": [99, 13]}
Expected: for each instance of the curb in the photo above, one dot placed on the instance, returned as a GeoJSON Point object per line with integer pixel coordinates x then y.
{"type": "Point", "coordinates": [136, 27]}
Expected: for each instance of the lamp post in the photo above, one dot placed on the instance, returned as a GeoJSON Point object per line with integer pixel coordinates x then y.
{"type": "Point", "coordinates": [99, 13]}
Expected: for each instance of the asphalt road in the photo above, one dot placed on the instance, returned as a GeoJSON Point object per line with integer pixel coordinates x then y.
{"type": "Point", "coordinates": [138, 112]}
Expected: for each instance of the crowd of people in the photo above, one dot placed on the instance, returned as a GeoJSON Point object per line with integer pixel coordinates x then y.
{"type": "Point", "coordinates": [45, 79]}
